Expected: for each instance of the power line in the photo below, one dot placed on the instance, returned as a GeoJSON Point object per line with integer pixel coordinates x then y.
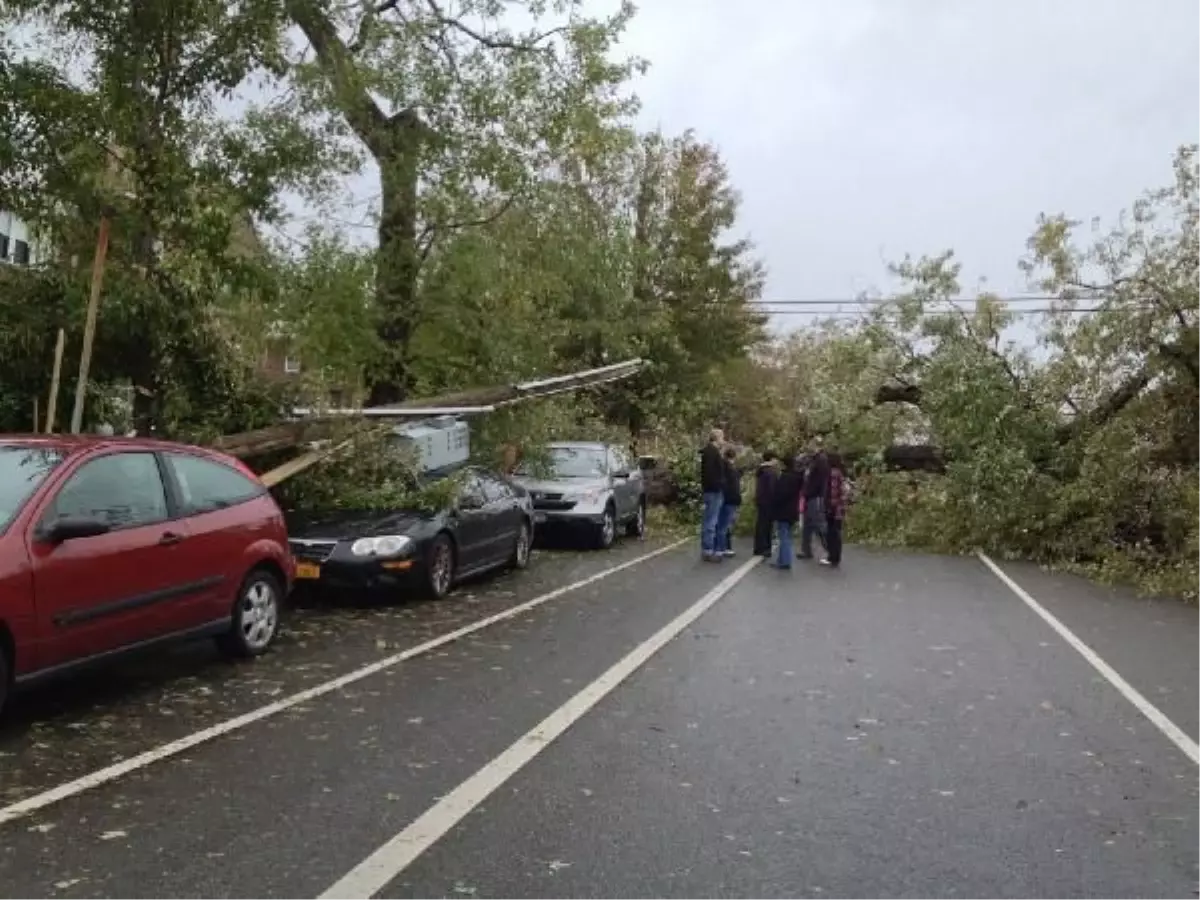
{"type": "Point", "coordinates": [880, 301]}
{"type": "Point", "coordinates": [846, 313]}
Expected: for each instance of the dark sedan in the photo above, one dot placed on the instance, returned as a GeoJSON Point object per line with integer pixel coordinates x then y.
{"type": "Point", "coordinates": [488, 525]}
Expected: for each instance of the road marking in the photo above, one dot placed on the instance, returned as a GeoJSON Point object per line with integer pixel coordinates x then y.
{"type": "Point", "coordinates": [149, 757]}
{"type": "Point", "coordinates": [1128, 691]}
{"type": "Point", "coordinates": [393, 857]}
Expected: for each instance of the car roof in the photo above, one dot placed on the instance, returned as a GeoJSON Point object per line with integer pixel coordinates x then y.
{"type": "Point", "coordinates": [70, 444]}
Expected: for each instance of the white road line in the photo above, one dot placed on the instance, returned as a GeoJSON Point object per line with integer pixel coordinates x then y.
{"type": "Point", "coordinates": [1128, 691]}
{"type": "Point", "coordinates": [119, 770]}
{"type": "Point", "coordinates": [392, 858]}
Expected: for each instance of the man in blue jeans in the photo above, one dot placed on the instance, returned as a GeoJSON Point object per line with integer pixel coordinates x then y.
{"type": "Point", "coordinates": [712, 488]}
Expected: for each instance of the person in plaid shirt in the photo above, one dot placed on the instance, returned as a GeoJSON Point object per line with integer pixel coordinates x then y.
{"type": "Point", "coordinates": [835, 511]}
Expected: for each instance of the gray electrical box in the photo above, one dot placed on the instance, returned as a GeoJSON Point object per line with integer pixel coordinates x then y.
{"type": "Point", "coordinates": [441, 443]}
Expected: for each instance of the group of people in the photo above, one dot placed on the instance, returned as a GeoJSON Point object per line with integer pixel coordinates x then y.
{"type": "Point", "coordinates": [810, 491]}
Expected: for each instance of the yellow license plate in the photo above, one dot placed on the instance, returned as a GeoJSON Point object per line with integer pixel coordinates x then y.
{"type": "Point", "coordinates": [307, 570]}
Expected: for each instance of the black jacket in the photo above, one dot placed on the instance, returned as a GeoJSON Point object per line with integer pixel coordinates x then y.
{"type": "Point", "coordinates": [785, 501]}
{"type": "Point", "coordinates": [816, 483]}
{"type": "Point", "coordinates": [764, 487]}
{"type": "Point", "coordinates": [712, 470]}
{"type": "Point", "coordinates": [733, 484]}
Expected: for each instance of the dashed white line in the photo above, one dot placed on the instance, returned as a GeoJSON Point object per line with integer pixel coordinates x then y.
{"type": "Point", "coordinates": [1128, 691]}
{"type": "Point", "coordinates": [393, 857]}
{"type": "Point", "coordinates": [149, 757]}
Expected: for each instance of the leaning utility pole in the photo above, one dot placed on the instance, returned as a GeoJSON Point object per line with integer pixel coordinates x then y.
{"type": "Point", "coordinates": [89, 328]}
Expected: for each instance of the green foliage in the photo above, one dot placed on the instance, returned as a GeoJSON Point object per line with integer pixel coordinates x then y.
{"type": "Point", "coordinates": [371, 472]}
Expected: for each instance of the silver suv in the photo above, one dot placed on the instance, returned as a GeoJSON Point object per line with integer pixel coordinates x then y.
{"type": "Point", "coordinates": [588, 485]}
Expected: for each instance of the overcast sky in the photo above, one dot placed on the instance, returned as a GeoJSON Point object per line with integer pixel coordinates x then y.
{"type": "Point", "coordinates": [858, 130]}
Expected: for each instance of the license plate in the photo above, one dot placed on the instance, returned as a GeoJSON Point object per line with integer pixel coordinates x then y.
{"type": "Point", "coordinates": [307, 570]}
{"type": "Point", "coordinates": [539, 518]}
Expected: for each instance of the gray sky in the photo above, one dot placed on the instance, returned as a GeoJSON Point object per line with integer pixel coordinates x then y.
{"type": "Point", "coordinates": [858, 130]}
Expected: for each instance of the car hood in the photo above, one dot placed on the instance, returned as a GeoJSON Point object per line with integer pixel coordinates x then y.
{"type": "Point", "coordinates": [562, 485]}
{"type": "Point", "coordinates": [349, 524]}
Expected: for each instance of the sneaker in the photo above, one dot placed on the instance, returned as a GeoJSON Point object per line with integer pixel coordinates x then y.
{"type": "Point", "coordinates": [729, 552]}
{"type": "Point", "coordinates": [826, 562]}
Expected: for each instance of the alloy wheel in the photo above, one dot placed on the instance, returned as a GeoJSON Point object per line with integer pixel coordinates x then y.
{"type": "Point", "coordinates": [260, 614]}
{"type": "Point", "coordinates": [441, 568]}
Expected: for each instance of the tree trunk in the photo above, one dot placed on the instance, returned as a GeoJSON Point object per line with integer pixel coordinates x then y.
{"type": "Point", "coordinates": [395, 144]}
{"type": "Point", "coordinates": [398, 261]}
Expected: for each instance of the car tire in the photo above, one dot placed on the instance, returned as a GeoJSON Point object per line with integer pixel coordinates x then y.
{"type": "Point", "coordinates": [606, 531]}
{"type": "Point", "coordinates": [256, 614]}
{"type": "Point", "coordinates": [439, 567]}
{"type": "Point", "coordinates": [636, 527]}
{"type": "Point", "coordinates": [521, 547]}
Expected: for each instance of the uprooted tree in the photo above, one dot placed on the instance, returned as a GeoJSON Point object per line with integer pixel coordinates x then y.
{"type": "Point", "coordinates": [1081, 447]}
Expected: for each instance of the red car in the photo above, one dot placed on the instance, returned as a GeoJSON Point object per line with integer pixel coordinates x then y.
{"type": "Point", "coordinates": [109, 545]}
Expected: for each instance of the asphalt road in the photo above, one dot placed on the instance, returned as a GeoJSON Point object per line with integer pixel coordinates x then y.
{"type": "Point", "coordinates": [907, 726]}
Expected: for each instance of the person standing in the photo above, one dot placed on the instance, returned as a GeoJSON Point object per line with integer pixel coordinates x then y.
{"type": "Point", "coordinates": [764, 490]}
{"type": "Point", "coordinates": [816, 489]}
{"type": "Point", "coordinates": [712, 489]}
{"type": "Point", "coordinates": [836, 512]}
{"type": "Point", "coordinates": [785, 509]}
{"type": "Point", "coordinates": [733, 503]}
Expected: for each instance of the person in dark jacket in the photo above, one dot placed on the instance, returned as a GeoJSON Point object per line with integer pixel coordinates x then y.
{"type": "Point", "coordinates": [785, 509]}
{"type": "Point", "coordinates": [764, 489]}
{"type": "Point", "coordinates": [816, 491]}
{"type": "Point", "coordinates": [712, 489]}
{"type": "Point", "coordinates": [733, 502]}
{"type": "Point", "coordinates": [835, 512]}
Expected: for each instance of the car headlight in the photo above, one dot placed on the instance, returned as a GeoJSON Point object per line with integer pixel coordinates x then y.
{"type": "Point", "coordinates": [591, 496]}
{"type": "Point", "coordinates": [386, 545]}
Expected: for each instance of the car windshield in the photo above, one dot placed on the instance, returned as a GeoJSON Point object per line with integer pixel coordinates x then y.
{"type": "Point", "coordinates": [21, 471]}
{"type": "Point", "coordinates": [575, 462]}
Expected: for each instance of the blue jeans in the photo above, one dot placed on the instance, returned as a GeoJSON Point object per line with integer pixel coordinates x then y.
{"type": "Point", "coordinates": [728, 515]}
{"type": "Point", "coordinates": [713, 501]}
{"type": "Point", "coordinates": [784, 532]}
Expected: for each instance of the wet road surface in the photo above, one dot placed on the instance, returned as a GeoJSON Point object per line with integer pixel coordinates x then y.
{"type": "Point", "coordinates": [907, 727]}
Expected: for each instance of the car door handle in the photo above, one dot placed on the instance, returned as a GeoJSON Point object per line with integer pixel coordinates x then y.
{"type": "Point", "coordinates": [169, 538]}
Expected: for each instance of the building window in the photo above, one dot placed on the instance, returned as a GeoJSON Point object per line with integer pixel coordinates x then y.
{"type": "Point", "coordinates": [3, 246]}
{"type": "Point", "coordinates": [291, 365]}
{"type": "Point", "coordinates": [20, 253]}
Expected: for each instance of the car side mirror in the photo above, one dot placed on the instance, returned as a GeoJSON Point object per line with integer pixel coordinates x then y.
{"type": "Point", "coordinates": [70, 528]}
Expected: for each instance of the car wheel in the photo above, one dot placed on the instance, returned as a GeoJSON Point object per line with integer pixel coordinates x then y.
{"type": "Point", "coordinates": [255, 615]}
{"type": "Point", "coordinates": [637, 525]}
{"type": "Point", "coordinates": [439, 567]}
{"type": "Point", "coordinates": [606, 532]}
{"type": "Point", "coordinates": [520, 554]}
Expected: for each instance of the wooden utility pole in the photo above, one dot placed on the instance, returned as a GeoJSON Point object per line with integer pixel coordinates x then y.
{"type": "Point", "coordinates": [55, 377]}
{"type": "Point", "coordinates": [89, 328]}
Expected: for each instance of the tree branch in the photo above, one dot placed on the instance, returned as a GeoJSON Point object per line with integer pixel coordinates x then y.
{"type": "Point", "coordinates": [350, 94]}
{"type": "Point", "coordinates": [426, 238]}
{"type": "Point", "coordinates": [494, 43]}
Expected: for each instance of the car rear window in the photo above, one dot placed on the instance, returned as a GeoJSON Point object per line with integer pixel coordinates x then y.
{"type": "Point", "coordinates": [205, 485]}
{"type": "Point", "coordinates": [22, 469]}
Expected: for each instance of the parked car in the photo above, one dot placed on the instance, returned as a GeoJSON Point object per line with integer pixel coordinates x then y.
{"type": "Point", "coordinates": [110, 545]}
{"type": "Point", "coordinates": [590, 486]}
{"type": "Point", "coordinates": [487, 523]}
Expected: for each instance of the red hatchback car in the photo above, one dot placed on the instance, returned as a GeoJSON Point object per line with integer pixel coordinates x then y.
{"type": "Point", "coordinates": [109, 545]}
